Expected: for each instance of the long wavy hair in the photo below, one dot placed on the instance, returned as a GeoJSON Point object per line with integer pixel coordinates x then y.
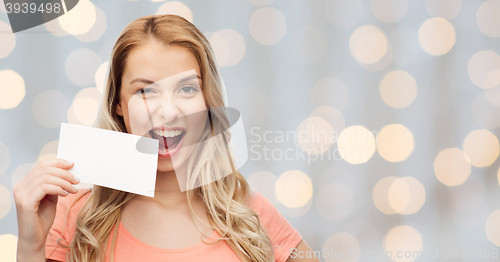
{"type": "Point", "coordinates": [225, 197]}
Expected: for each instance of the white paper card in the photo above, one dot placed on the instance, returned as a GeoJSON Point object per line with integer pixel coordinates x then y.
{"type": "Point", "coordinates": [109, 158]}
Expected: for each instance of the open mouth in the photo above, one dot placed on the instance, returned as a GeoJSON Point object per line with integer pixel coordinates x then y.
{"type": "Point", "coordinates": [170, 141]}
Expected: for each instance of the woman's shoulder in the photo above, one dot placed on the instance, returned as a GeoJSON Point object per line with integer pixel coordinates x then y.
{"type": "Point", "coordinates": [268, 214]}
{"type": "Point", "coordinates": [284, 237]}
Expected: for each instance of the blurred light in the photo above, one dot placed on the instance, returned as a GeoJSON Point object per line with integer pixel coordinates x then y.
{"type": "Point", "coordinates": [436, 36]}
{"type": "Point", "coordinates": [480, 67]}
{"type": "Point", "coordinates": [267, 26]}
{"type": "Point", "coordinates": [84, 109]}
{"type": "Point", "coordinates": [7, 40]}
{"type": "Point", "coordinates": [49, 151]}
{"type": "Point", "coordinates": [330, 91]}
{"type": "Point", "coordinates": [101, 76]}
{"type": "Point", "coordinates": [492, 80]}
{"type": "Point", "coordinates": [356, 144]}
{"type": "Point", "coordinates": [341, 243]}
{"type": "Point", "coordinates": [493, 228]}
{"type": "Point", "coordinates": [5, 201]}
{"type": "Point", "coordinates": [12, 89]}
{"type": "Point", "coordinates": [20, 172]}
{"type": "Point", "coordinates": [452, 167]}
{"type": "Point", "coordinates": [390, 11]}
{"type": "Point", "coordinates": [398, 89]}
{"type": "Point", "coordinates": [488, 19]}
{"type": "Point", "coordinates": [220, 46]}
{"type": "Point", "coordinates": [49, 108]}
{"type": "Point", "coordinates": [393, 195]}
{"type": "Point", "coordinates": [368, 44]}
{"type": "Point", "coordinates": [229, 47]}
{"type": "Point", "coordinates": [80, 19]}
{"type": "Point", "coordinates": [175, 8]}
{"type": "Point", "coordinates": [382, 63]}
{"type": "Point", "coordinates": [97, 29]}
{"type": "Point", "coordinates": [81, 66]}
{"type": "Point", "coordinates": [53, 26]}
{"type": "Point", "coordinates": [498, 176]}
{"type": "Point", "coordinates": [417, 195]}
{"type": "Point", "coordinates": [333, 116]}
{"type": "Point", "coordinates": [294, 188]}
{"type": "Point", "coordinates": [8, 248]}
{"type": "Point", "coordinates": [4, 158]}
{"type": "Point", "coordinates": [482, 147]}
{"type": "Point", "coordinates": [381, 197]}
{"type": "Point", "coordinates": [344, 14]}
{"type": "Point", "coordinates": [399, 195]}
{"type": "Point", "coordinates": [403, 239]}
{"type": "Point", "coordinates": [447, 9]}
{"type": "Point", "coordinates": [395, 143]}
{"type": "Point", "coordinates": [485, 113]}
{"type": "Point", "coordinates": [261, 2]}
{"type": "Point", "coordinates": [265, 183]}
{"type": "Point", "coordinates": [334, 201]}
{"type": "Point", "coordinates": [315, 135]}
{"type": "Point", "coordinates": [308, 44]}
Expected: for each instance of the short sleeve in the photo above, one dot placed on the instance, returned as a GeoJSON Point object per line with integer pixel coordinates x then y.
{"type": "Point", "coordinates": [63, 228]}
{"type": "Point", "coordinates": [282, 234]}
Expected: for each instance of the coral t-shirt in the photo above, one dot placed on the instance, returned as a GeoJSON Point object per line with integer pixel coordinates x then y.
{"type": "Point", "coordinates": [128, 248]}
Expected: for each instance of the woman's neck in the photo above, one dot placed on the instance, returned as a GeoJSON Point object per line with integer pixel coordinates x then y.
{"type": "Point", "coordinates": [167, 191]}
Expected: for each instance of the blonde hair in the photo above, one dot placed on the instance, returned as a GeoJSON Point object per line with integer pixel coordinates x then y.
{"type": "Point", "coordinates": [224, 196]}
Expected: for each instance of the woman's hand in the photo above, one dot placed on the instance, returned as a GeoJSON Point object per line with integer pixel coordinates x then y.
{"type": "Point", "coordinates": [36, 199]}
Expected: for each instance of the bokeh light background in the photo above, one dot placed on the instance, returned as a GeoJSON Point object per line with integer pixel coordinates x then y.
{"type": "Point", "coordinates": [410, 88]}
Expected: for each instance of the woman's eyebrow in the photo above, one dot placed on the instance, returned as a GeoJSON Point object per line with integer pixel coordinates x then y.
{"type": "Point", "coordinates": [149, 82]}
{"type": "Point", "coordinates": [142, 80]}
{"type": "Point", "coordinates": [187, 78]}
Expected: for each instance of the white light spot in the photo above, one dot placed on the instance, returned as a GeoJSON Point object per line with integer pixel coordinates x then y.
{"type": "Point", "coordinates": [80, 19]}
{"type": "Point", "coordinates": [267, 25]}
{"type": "Point", "coordinates": [12, 89]}
{"type": "Point", "coordinates": [175, 8]}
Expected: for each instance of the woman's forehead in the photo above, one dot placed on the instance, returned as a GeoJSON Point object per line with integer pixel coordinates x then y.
{"type": "Point", "coordinates": [156, 62]}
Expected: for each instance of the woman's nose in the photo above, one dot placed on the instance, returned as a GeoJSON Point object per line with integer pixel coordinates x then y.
{"type": "Point", "coordinates": [168, 110]}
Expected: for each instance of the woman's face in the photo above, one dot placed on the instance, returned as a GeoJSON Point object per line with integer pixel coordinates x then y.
{"type": "Point", "coordinates": [161, 98]}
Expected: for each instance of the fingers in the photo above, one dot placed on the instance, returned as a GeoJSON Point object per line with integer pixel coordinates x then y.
{"type": "Point", "coordinates": [64, 174]}
{"type": "Point", "coordinates": [60, 163]}
{"type": "Point", "coordinates": [42, 179]}
{"type": "Point", "coordinates": [40, 192]}
{"type": "Point", "coordinates": [55, 179]}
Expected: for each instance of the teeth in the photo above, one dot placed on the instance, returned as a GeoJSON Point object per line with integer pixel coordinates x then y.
{"type": "Point", "coordinates": [165, 133]}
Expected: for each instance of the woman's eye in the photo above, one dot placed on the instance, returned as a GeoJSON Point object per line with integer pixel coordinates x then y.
{"type": "Point", "coordinates": [146, 91]}
{"type": "Point", "coordinates": [188, 89]}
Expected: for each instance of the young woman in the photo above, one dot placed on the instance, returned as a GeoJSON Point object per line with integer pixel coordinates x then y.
{"type": "Point", "coordinates": [221, 220]}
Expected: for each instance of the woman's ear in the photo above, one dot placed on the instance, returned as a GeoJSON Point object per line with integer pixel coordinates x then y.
{"type": "Point", "coordinates": [118, 109]}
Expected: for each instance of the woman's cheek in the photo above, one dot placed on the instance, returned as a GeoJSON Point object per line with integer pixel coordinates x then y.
{"type": "Point", "coordinates": [138, 117]}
